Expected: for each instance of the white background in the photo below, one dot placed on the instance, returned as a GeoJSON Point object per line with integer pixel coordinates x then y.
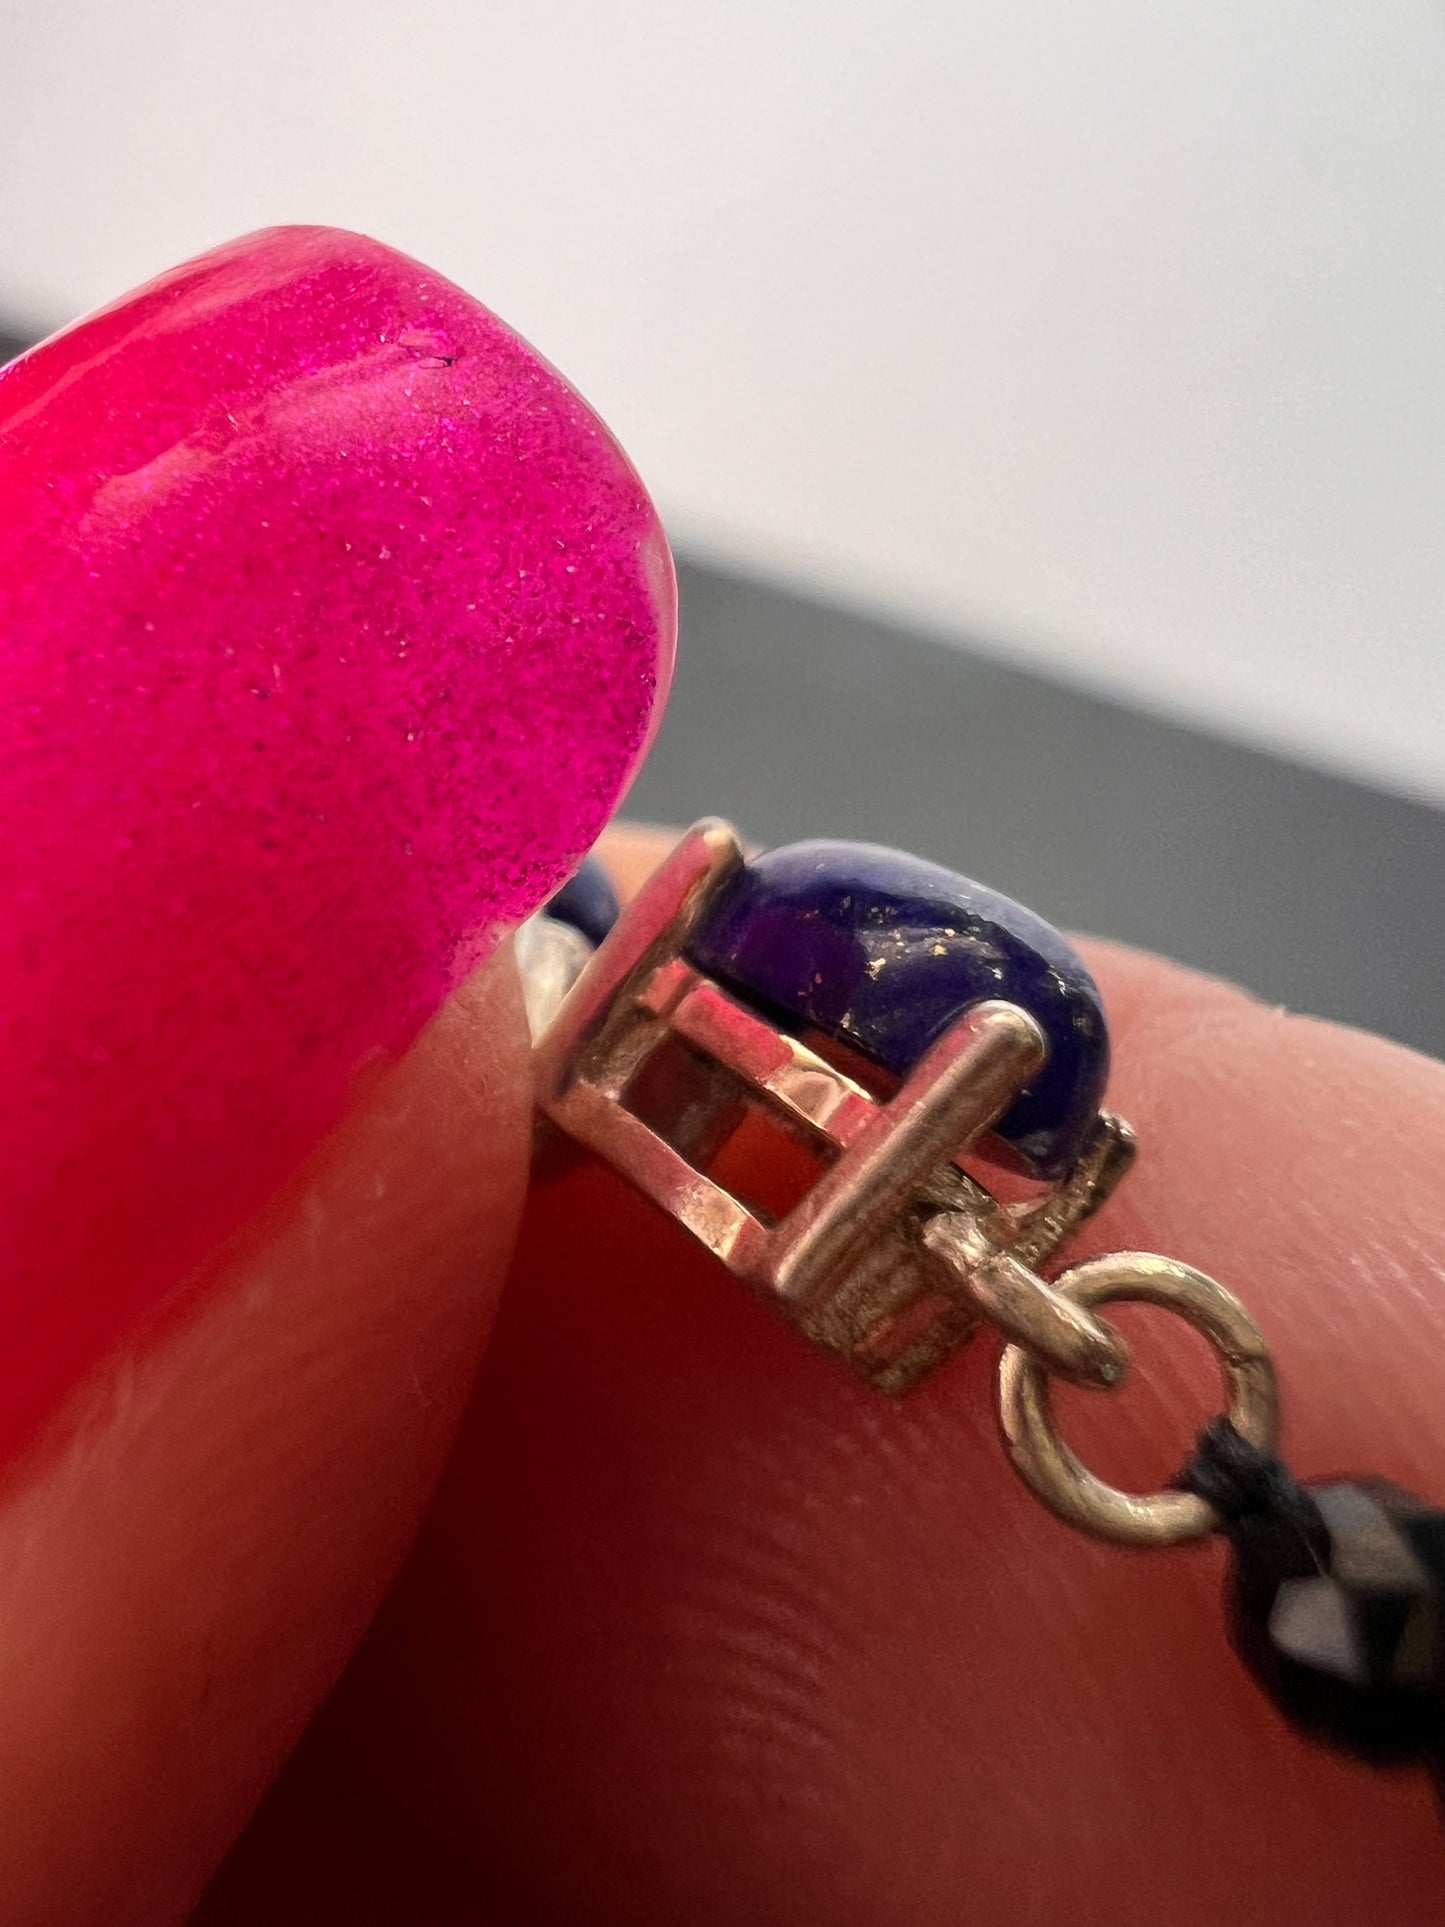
{"type": "Point", "coordinates": [1111, 332]}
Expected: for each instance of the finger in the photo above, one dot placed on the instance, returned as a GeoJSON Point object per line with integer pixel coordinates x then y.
{"type": "Point", "coordinates": [191, 1549]}
{"type": "Point", "coordinates": [332, 625]}
{"type": "Point", "coordinates": [332, 622]}
{"type": "Point", "coordinates": [702, 1629]}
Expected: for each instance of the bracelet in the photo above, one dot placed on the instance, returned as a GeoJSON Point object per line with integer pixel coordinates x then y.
{"type": "Point", "coordinates": [883, 1028]}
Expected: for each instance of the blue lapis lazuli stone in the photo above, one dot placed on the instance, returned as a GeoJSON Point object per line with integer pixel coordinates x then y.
{"type": "Point", "coordinates": [883, 952]}
{"type": "Point", "coordinates": [587, 901]}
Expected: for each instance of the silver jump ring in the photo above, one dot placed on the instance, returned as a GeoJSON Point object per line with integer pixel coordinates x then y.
{"type": "Point", "coordinates": [1059, 1478]}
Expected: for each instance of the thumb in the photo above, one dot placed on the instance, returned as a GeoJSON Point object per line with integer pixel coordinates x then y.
{"type": "Point", "coordinates": [191, 1547]}
{"type": "Point", "coordinates": [331, 622]}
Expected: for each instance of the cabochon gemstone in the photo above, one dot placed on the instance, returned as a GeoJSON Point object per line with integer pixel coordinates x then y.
{"type": "Point", "coordinates": [883, 952]}
{"type": "Point", "coordinates": [586, 901]}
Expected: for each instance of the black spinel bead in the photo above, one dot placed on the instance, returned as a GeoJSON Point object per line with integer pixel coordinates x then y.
{"type": "Point", "coordinates": [1342, 1618]}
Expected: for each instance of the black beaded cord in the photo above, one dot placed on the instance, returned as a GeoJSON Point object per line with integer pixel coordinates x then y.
{"type": "Point", "coordinates": [1336, 1598]}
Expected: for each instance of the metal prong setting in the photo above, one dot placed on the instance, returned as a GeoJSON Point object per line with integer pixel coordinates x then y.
{"type": "Point", "coordinates": [892, 1254]}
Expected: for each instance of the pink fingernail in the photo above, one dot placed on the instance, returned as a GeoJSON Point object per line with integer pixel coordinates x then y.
{"type": "Point", "coordinates": [331, 626]}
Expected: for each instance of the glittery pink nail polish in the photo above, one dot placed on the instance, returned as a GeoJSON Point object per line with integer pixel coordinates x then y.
{"type": "Point", "coordinates": [331, 626]}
